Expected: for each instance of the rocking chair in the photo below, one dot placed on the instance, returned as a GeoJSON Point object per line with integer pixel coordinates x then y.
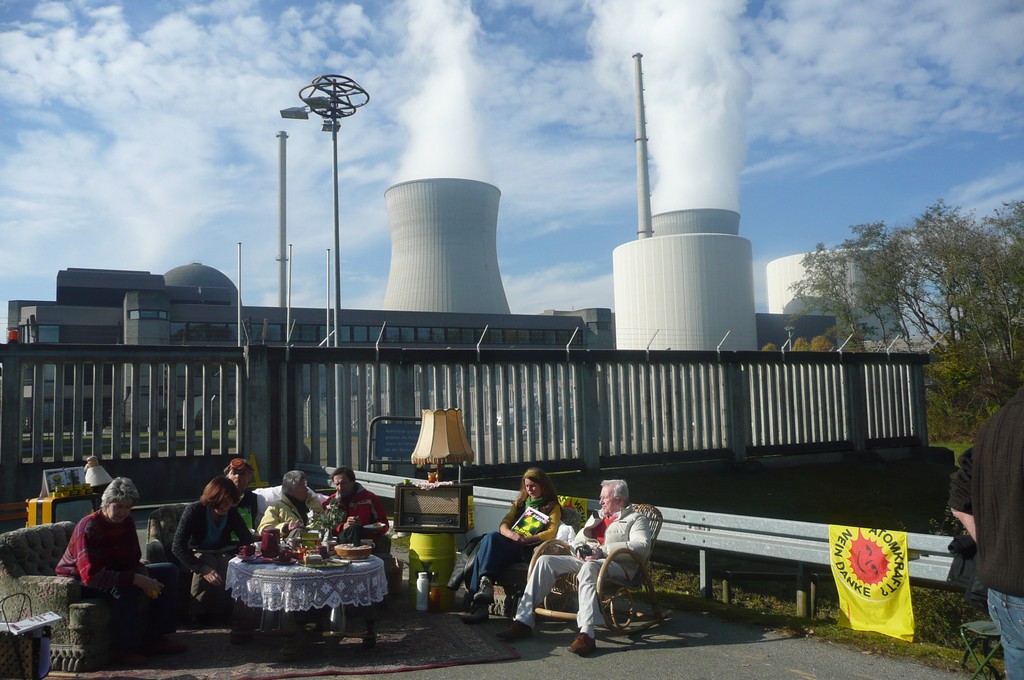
{"type": "Point", "coordinates": [627, 606]}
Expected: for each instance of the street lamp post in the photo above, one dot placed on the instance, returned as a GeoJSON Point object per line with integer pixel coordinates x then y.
{"type": "Point", "coordinates": [332, 97]}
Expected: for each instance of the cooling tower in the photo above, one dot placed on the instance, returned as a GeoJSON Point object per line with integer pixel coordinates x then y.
{"type": "Point", "coordinates": [703, 220]}
{"type": "Point", "coordinates": [783, 274]}
{"type": "Point", "coordinates": [688, 286]}
{"type": "Point", "coordinates": [444, 255]}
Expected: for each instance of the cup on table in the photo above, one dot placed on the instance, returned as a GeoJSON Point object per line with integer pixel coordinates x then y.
{"type": "Point", "coordinates": [246, 550]}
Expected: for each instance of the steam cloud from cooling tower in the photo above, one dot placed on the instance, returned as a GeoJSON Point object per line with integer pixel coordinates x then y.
{"type": "Point", "coordinates": [445, 138]}
{"type": "Point", "coordinates": [690, 285]}
{"type": "Point", "coordinates": [696, 92]}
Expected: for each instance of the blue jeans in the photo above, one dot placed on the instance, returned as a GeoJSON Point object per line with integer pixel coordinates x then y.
{"type": "Point", "coordinates": [1008, 613]}
{"type": "Point", "coordinates": [136, 620]}
{"type": "Point", "coordinates": [493, 556]}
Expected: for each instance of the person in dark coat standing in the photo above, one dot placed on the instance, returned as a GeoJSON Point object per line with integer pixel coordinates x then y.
{"type": "Point", "coordinates": [987, 496]}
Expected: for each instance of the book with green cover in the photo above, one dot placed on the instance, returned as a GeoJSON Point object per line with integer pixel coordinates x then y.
{"type": "Point", "coordinates": [531, 522]}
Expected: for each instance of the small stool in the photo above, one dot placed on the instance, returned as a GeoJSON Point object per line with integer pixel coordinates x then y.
{"type": "Point", "coordinates": [981, 642]}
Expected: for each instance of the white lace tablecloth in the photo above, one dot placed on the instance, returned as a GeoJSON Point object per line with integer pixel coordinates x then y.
{"type": "Point", "coordinates": [293, 588]}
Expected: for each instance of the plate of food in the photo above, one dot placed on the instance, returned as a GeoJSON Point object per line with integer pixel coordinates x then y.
{"type": "Point", "coordinates": [329, 563]}
{"type": "Point", "coordinates": [350, 551]}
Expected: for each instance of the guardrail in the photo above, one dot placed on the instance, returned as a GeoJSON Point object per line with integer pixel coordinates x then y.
{"type": "Point", "coordinates": [804, 544]}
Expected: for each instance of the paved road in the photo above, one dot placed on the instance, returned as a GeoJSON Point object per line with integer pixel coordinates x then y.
{"type": "Point", "coordinates": [691, 647]}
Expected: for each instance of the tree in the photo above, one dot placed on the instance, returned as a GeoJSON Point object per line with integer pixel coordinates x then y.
{"type": "Point", "coordinates": [947, 276]}
{"type": "Point", "coordinates": [854, 283]}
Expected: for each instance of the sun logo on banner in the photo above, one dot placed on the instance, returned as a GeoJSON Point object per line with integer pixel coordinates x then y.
{"type": "Point", "coordinates": [868, 561]}
{"type": "Point", "coordinates": [872, 563]}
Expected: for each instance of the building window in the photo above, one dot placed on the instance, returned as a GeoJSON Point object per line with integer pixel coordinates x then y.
{"type": "Point", "coordinates": [137, 314]}
{"type": "Point", "coordinates": [197, 332]}
{"type": "Point", "coordinates": [461, 336]}
{"type": "Point", "coordinates": [359, 333]}
{"type": "Point", "coordinates": [47, 333]}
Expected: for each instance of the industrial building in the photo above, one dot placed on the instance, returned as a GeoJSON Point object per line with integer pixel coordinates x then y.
{"type": "Point", "coordinates": [197, 305]}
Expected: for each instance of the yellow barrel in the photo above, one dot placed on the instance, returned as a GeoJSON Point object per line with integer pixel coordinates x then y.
{"type": "Point", "coordinates": [436, 553]}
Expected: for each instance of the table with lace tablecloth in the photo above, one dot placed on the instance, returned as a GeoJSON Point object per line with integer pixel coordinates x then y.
{"type": "Point", "coordinates": [272, 587]}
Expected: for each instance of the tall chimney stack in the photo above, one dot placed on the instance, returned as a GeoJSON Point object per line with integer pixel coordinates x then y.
{"type": "Point", "coordinates": [643, 180]}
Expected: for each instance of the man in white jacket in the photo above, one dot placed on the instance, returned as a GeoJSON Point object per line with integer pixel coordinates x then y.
{"type": "Point", "coordinates": [615, 526]}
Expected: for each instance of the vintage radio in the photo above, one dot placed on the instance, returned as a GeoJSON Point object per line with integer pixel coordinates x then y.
{"type": "Point", "coordinates": [444, 509]}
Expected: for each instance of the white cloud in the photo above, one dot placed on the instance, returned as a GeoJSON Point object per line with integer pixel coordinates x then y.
{"type": "Point", "coordinates": [144, 137]}
{"type": "Point", "coordinates": [567, 286]}
{"type": "Point", "coordinates": [986, 194]}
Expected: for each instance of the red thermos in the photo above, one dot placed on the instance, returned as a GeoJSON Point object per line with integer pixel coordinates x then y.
{"type": "Point", "coordinates": [270, 542]}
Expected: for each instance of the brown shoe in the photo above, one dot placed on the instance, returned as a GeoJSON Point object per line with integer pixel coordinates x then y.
{"type": "Point", "coordinates": [516, 631]}
{"type": "Point", "coordinates": [583, 645]}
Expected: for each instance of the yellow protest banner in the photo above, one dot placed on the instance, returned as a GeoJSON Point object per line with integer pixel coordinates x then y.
{"type": "Point", "coordinates": [580, 504]}
{"type": "Point", "coordinates": [872, 576]}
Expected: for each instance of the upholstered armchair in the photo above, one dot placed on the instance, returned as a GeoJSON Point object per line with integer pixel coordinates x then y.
{"type": "Point", "coordinates": [28, 557]}
{"type": "Point", "coordinates": [163, 523]}
{"type": "Point", "coordinates": [160, 530]}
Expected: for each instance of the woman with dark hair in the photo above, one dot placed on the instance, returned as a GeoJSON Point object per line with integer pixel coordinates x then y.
{"type": "Point", "coordinates": [533, 518]}
{"type": "Point", "coordinates": [104, 554]}
{"type": "Point", "coordinates": [203, 543]}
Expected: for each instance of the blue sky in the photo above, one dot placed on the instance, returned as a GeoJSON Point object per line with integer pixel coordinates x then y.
{"type": "Point", "coordinates": [142, 135]}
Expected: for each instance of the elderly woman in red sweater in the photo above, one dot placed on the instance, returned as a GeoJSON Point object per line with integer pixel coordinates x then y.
{"type": "Point", "coordinates": [104, 554]}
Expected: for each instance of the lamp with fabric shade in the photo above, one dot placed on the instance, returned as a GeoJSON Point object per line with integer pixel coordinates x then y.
{"type": "Point", "coordinates": [442, 439]}
{"type": "Point", "coordinates": [95, 475]}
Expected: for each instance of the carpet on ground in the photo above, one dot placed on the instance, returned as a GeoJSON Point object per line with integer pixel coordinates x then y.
{"type": "Point", "coordinates": [406, 641]}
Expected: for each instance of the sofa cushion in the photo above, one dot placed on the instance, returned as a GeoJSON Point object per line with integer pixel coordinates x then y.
{"type": "Point", "coordinates": [35, 551]}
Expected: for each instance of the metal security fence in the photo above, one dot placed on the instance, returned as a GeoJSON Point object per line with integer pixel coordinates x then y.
{"type": "Point", "coordinates": [192, 406]}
